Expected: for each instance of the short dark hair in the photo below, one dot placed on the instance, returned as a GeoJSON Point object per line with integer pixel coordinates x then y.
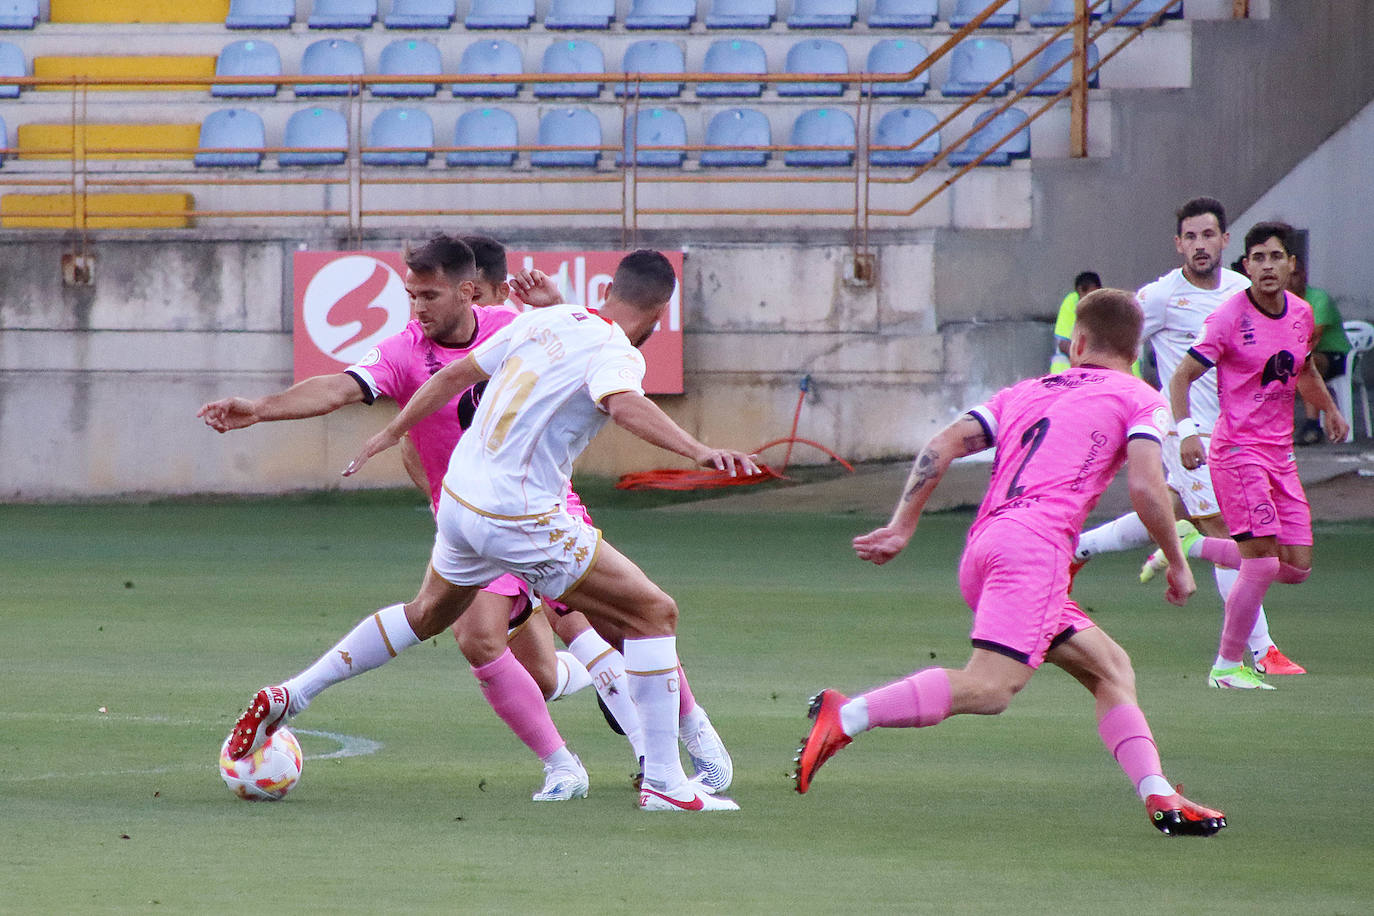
{"type": "Point", "coordinates": [1263, 232]}
{"type": "Point", "coordinates": [1112, 320]}
{"type": "Point", "coordinates": [1199, 206]}
{"type": "Point", "coordinates": [1087, 278]}
{"type": "Point", "coordinates": [644, 279]}
{"type": "Point", "coordinates": [444, 254]}
{"type": "Point", "coordinates": [491, 258]}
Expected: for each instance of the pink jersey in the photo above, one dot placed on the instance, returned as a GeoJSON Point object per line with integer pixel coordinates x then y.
{"type": "Point", "coordinates": [1258, 358]}
{"type": "Point", "coordinates": [405, 361]}
{"type": "Point", "coordinates": [1060, 440]}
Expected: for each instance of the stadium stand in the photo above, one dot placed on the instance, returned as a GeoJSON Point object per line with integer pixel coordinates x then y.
{"type": "Point", "coordinates": [12, 63]}
{"type": "Point", "coordinates": [421, 14]}
{"type": "Point", "coordinates": [97, 211]}
{"type": "Point", "coordinates": [975, 63]}
{"type": "Point", "coordinates": [742, 14]}
{"type": "Point", "coordinates": [408, 57]}
{"type": "Point", "coordinates": [1061, 12]}
{"type": "Point", "coordinates": [898, 55]}
{"type": "Point", "coordinates": [580, 14]}
{"type": "Point", "coordinates": [107, 141]}
{"type": "Point", "coordinates": [500, 14]}
{"type": "Point", "coordinates": [1147, 8]}
{"type": "Point", "coordinates": [655, 136]}
{"type": "Point", "coordinates": [260, 14]}
{"type": "Point", "coordinates": [488, 128]}
{"type": "Point", "coordinates": [991, 129]}
{"type": "Point", "coordinates": [904, 14]}
{"type": "Point", "coordinates": [402, 130]}
{"type": "Point", "coordinates": [1345, 387]}
{"type": "Point", "coordinates": [568, 127]}
{"type": "Point", "coordinates": [1004, 18]}
{"type": "Point", "coordinates": [315, 136]}
{"type": "Point", "coordinates": [1057, 61]}
{"type": "Point", "coordinates": [823, 14]}
{"type": "Point", "coordinates": [18, 14]}
{"type": "Point", "coordinates": [903, 127]}
{"type": "Point", "coordinates": [815, 55]}
{"type": "Point", "coordinates": [342, 14]}
{"type": "Point", "coordinates": [250, 57]}
{"type": "Point", "coordinates": [737, 127]}
{"type": "Point", "coordinates": [661, 14]}
{"type": "Point", "coordinates": [733, 55]}
{"type": "Point", "coordinates": [821, 127]}
{"type": "Point", "coordinates": [235, 128]}
{"type": "Point", "coordinates": [113, 67]}
{"type": "Point", "coordinates": [652, 56]}
{"type": "Point", "coordinates": [573, 55]}
{"type": "Point", "coordinates": [331, 57]}
{"type": "Point", "coordinates": [493, 58]}
{"type": "Point", "coordinates": [135, 11]}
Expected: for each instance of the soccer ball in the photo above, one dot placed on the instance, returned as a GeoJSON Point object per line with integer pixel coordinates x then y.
{"type": "Point", "coordinates": [268, 773]}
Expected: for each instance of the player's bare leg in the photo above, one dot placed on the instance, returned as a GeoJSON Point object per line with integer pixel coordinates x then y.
{"type": "Point", "coordinates": [532, 644]}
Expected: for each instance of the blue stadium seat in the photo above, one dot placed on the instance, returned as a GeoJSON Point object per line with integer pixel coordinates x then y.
{"type": "Point", "coordinates": [815, 55]}
{"type": "Point", "coordinates": [400, 129]}
{"type": "Point", "coordinates": [1004, 18]}
{"type": "Point", "coordinates": [251, 57]}
{"type": "Point", "coordinates": [342, 14]}
{"type": "Point", "coordinates": [975, 63]}
{"type": "Point", "coordinates": [568, 127]}
{"type": "Point", "coordinates": [1147, 8]}
{"type": "Point", "coordinates": [737, 127]}
{"type": "Point", "coordinates": [571, 56]}
{"type": "Point", "coordinates": [821, 127]}
{"type": "Point", "coordinates": [235, 128]}
{"type": "Point", "coordinates": [12, 63]}
{"type": "Point", "coordinates": [580, 14]}
{"type": "Point", "coordinates": [317, 136]}
{"type": "Point", "coordinates": [661, 14]}
{"type": "Point", "coordinates": [656, 137]}
{"type": "Point", "coordinates": [408, 57]}
{"type": "Point", "coordinates": [652, 56]}
{"type": "Point", "coordinates": [742, 14]}
{"type": "Point", "coordinates": [1057, 58]}
{"type": "Point", "coordinates": [488, 128]}
{"type": "Point", "coordinates": [1061, 12]}
{"type": "Point", "coordinates": [903, 127]}
{"type": "Point", "coordinates": [990, 130]}
{"type": "Point", "coordinates": [421, 14]}
{"type": "Point", "coordinates": [18, 14]}
{"type": "Point", "coordinates": [330, 57]}
{"type": "Point", "coordinates": [898, 55]}
{"type": "Point", "coordinates": [260, 14]}
{"type": "Point", "coordinates": [500, 14]}
{"type": "Point", "coordinates": [823, 14]}
{"type": "Point", "coordinates": [492, 58]}
{"type": "Point", "coordinates": [733, 55]}
{"type": "Point", "coordinates": [904, 14]}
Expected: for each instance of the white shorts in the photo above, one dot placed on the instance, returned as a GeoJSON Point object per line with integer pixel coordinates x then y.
{"type": "Point", "coordinates": [1194, 487]}
{"type": "Point", "coordinates": [553, 552]}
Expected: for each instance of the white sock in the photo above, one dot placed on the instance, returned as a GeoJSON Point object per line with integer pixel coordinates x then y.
{"type": "Point", "coordinates": [854, 716]}
{"type": "Point", "coordinates": [560, 759]}
{"type": "Point", "coordinates": [1224, 663]}
{"type": "Point", "coordinates": [376, 640]}
{"type": "Point", "coordinates": [606, 669]}
{"type": "Point", "coordinates": [572, 676]}
{"type": "Point", "coordinates": [1154, 785]}
{"type": "Point", "coordinates": [651, 668]}
{"type": "Point", "coordinates": [1124, 533]}
{"type": "Point", "coordinates": [1260, 640]}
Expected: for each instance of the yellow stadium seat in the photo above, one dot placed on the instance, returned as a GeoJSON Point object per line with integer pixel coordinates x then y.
{"type": "Point", "coordinates": [101, 211]}
{"type": "Point", "coordinates": [124, 11]}
{"type": "Point", "coordinates": [188, 66]}
{"type": "Point", "coordinates": [108, 141]}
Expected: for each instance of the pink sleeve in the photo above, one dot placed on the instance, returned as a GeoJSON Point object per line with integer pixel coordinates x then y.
{"type": "Point", "coordinates": [1149, 416]}
{"type": "Point", "coordinates": [1211, 342]}
{"type": "Point", "coordinates": [381, 369]}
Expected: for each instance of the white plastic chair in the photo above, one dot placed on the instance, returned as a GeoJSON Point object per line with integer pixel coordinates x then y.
{"type": "Point", "coordinates": [1361, 336]}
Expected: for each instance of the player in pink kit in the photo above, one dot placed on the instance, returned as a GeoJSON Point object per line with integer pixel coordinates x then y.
{"type": "Point", "coordinates": [1060, 440]}
{"type": "Point", "coordinates": [1260, 342]}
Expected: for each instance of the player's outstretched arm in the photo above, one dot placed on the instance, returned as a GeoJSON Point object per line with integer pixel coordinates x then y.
{"type": "Point", "coordinates": [535, 289]}
{"type": "Point", "coordinates": [1189, 370]}
{"type": "Point", "coordinates": [442, 387]}
{"type": "Point", "coordinates": [637, 414]}
{"type": "Point", "coordinates": [1314, 391]}
{"type": "Point", "coordinates": [1150, 499]}
{"type": "Point", "coordinates": [313, 397]}
{"type": "Point", "coordinates": [964, 436]}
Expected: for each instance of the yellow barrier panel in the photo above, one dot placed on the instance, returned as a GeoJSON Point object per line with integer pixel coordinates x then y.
{"type": "Point", "coordinates": [178, 66]}
{"type": "Point", "coordinates": [102, 211]}
{"type": "Point", "coordinates": [108, 141]}
{"type": "Point", "coordinates": [126, 11]}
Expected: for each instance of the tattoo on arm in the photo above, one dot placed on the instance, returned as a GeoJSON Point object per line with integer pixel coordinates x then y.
{"type": "Point", "coordinates": [922, 473]}
{"type": "Point", "coordinates": [976, 442]}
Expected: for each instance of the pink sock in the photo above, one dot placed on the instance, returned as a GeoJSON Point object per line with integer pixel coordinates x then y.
{"type": "Point", "coordinates": [1292, 575]}
{"type": "Point", "coordinates": [686, 702]}
{"type": "Point", "coordinates": [1128, 739]}
{"type": "Point", "coordinates": [1221, 551]}
{"type": "Point", "coordinates": [1243, 603]}
{"type": "Point", "coordinates": [517, 699]}
{"type": "Point", "coordinates": [915, 701]}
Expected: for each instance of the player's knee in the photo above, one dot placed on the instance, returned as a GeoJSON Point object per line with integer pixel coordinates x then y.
{"type": "Point", "coordinates": [1292, 575]}
{"type": "Point", "coordinates": [992, 699]}
{"type": "Point", "coordinates": [478, 647]}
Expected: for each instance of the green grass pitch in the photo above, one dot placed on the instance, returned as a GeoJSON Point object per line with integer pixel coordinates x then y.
{"type": "Point", "coordinates": [170, 615]}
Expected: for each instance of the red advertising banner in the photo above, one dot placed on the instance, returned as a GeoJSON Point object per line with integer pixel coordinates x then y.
{"type": "Point", "coordinates": [349, 301]}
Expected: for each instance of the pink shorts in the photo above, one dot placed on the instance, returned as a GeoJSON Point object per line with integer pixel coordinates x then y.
{"type": "Point", "coordinates": [514, 587]}
{"type": "Point", "coordinates": [1017, 584]}
{"type": "Point", "coordinates": [1257, 502]}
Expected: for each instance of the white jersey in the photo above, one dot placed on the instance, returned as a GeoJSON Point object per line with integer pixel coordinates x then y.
{"type": "Point", "coordinates": [550, 370]}
{"type": "Point", "coordinates": [1174, 311]}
